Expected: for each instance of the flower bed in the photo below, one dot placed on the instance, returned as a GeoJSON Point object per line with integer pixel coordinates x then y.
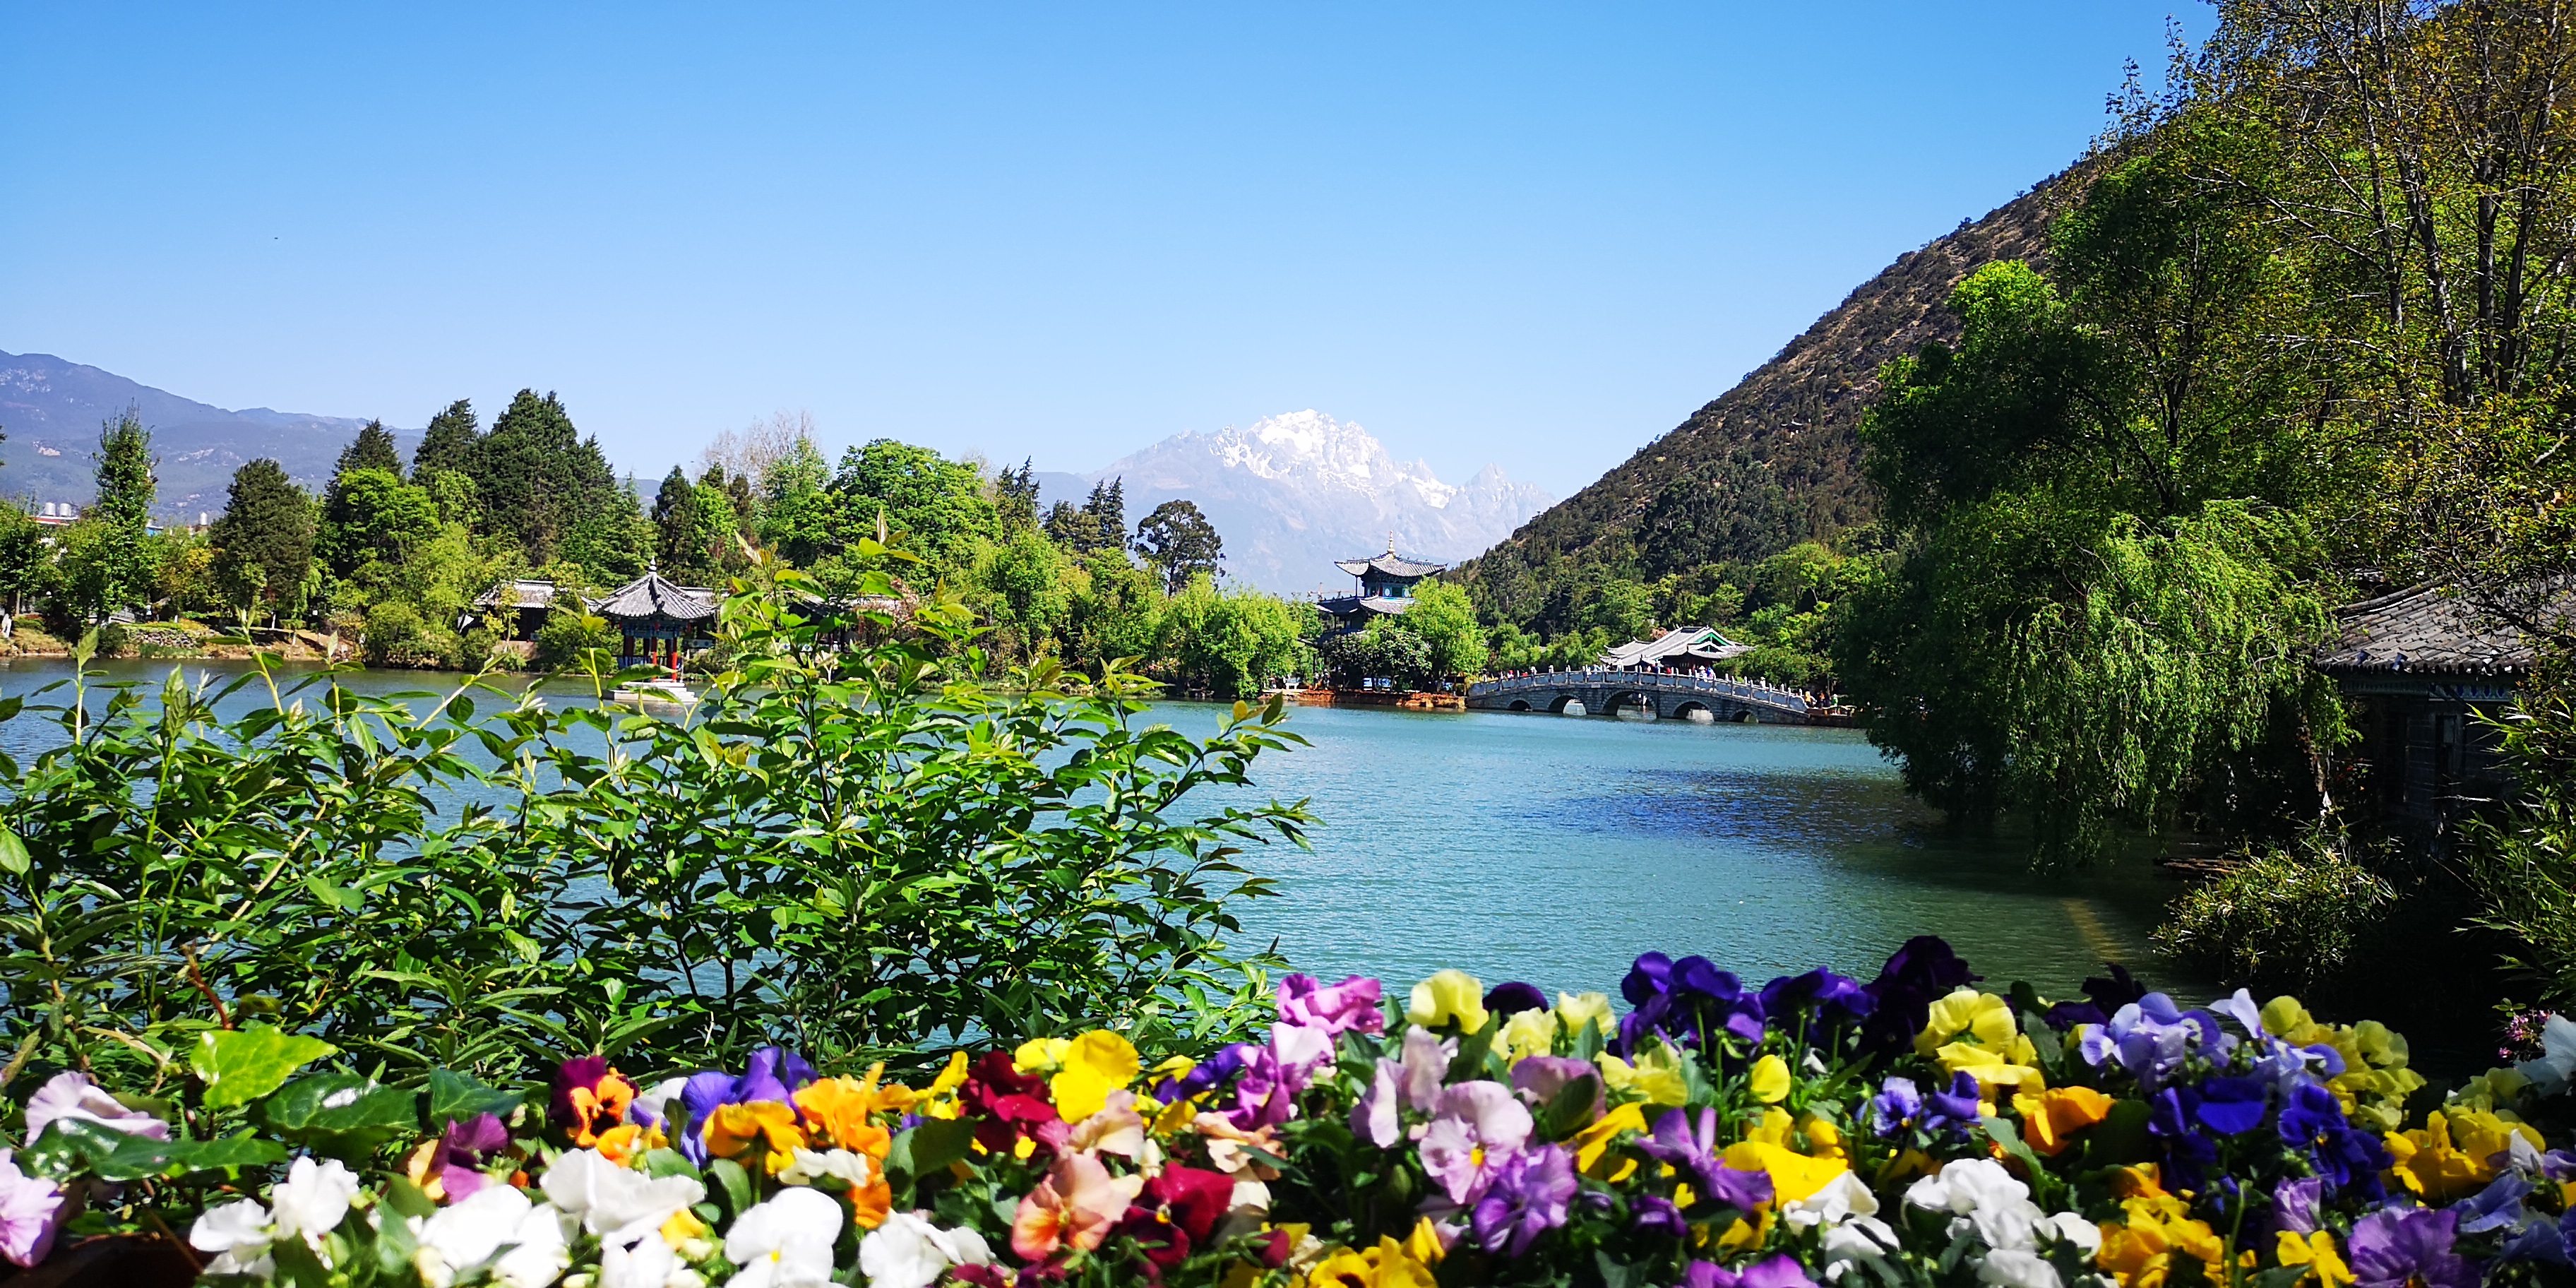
{"type": "Point", "coordinates": [1907, 1130]}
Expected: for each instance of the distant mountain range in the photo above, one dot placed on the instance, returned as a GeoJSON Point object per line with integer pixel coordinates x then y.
{"type": "Point", "coordinates": [51, 411]}
{"type": "Point", "coordinates": [1292, 493]}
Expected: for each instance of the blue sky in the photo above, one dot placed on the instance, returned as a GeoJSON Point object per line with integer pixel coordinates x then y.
{"type": "Point", "coordinates": [1533, 235]}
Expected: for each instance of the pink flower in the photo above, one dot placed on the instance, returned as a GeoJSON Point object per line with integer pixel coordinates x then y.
{"type": "Point", "coordinates": [1341, 1008]}
{"type": "Point", "coordinates": [1475, 1126]}
{"type": "Point", "coordinates": [1072, 1208]}
{"type": "Point", "coordinates": [73, 1095]}
{"type": "Point", "coordinates": [31, 1213]}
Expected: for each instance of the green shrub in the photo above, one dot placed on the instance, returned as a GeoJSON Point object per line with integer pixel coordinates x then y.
{"type": "Point", "coordinates": [2284, 921]}
{"type": "Point", "coordinates": [862, 851]}
{"type": "Point", "coordinates": [391, 630]}
{"type": "Point", "coordinates": [568, 634]}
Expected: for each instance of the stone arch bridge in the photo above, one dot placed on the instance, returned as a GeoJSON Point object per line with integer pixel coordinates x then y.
{"type": "Point", "coordinates": [1665, 696]}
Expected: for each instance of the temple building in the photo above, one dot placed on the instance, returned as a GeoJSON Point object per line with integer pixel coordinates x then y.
{"type": "Point", "coordinates": [1680, 649]}
{"type": "Point", "coordinates": [1385, 589]}
{"type": "Point", "coordinates": [521, 605]}
{"type": "Point", "coordinates": [659, 623]}
{"type": "Point", "coordinates": [2424, 665]}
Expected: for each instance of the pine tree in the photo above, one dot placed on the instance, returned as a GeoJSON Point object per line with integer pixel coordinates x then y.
{"type": "Point", "coordinates": [1108, 504]}
{"type": "Point", "coordinates": [107, 560]}
{"type": "Point", "coordinates": [264, 539]}
{"type": "Point", "coordinates": [539, 480]}
{"type": "Point", "coordinates": [1015, 494]}
{"type": "Point", "coordinates": [373, 449]}
{"type": "Point", "coordinates": [675, 527]}
{"type": "Point", "coordinates": [1180, 541]}
{"type": "Point", "coordinates": [450, 442]}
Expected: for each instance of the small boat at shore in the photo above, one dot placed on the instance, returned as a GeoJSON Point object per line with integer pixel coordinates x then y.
{"type": "Point", "coordinates": [657, 697]}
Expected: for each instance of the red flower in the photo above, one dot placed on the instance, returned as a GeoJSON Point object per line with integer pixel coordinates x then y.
{"type": "Point", "coordinates": [1195, 1199]}
{"type": "Point", "coordinates": [1011, 1104]}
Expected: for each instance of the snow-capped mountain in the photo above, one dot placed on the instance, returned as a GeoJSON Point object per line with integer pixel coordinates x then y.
{"type": "Point", "coordinates": [1290, 494]}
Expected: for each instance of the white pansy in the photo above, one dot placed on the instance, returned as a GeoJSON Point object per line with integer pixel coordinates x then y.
{"type": "Point", "coordinates": [2067, 1227]}
{"type": "Point", "coordinates": [2017, 1268]}
{"type": "Point", "coordinates": [785, 1242]}
{"type": "Point", "coordinates": [909, 1252]}
{"type": "Point", "coordinates": [2557, 1063]}
{"type": "Point", "coordinates": [500, 1221]}
{"type": "Point", "coordinates": [313, 1199]}
{"type": "Point", "coordinates": [543, 1250]}
{"type": "Point", "coordinates": [811, 1166]}
{"type": "Point", "coordinates": [649, 1264]}
{"type": "Point", "coordinates": [1841, 1199]}
{"type": "Point", "coordinates": [238, 1234]}
{"type": "Point", "coordinates": [654, 1102]}
{"type": "Point", "coordinates": [619, 1204]}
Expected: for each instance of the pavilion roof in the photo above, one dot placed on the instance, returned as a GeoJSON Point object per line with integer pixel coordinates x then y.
{"type": "Point", "coordinates": [1699, 643]}
{"type": "Point", "coordinates": [2428, 629]}
{"type": "Point", "coordinates": [651, 595]}
{"type": "Point", "coordinates": [1391, 564]}
{"type": "Point", "coordinates": [526, 592]}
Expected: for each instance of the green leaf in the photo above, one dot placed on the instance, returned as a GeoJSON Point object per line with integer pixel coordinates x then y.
{"type": "Point", "coordinates": [242, 1065]}
{"type": "Point", "coordinates": [455, 1097]}
{"type": "Point", "coordinates": [1570, 1108]}
{"type": "Point", "coordinates": [13, 854]}
{"type": "Point", "coordinates": [244, 1150]}
{"type": "Point", "coordinates": [340, 1114]}
{"type": "Point", "coordinates": [934, 1143]}
{"type": "Point", "coordinates": [735, 1182]}
{"type": "Point", "coordinates": [1470, 1060]}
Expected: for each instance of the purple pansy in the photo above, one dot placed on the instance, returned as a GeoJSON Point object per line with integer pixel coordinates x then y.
{"type": "Point", "coordinates": [1781, 1271]}
{"type": "Point", "coordinates": [1475, 1128]}
{"type": "Point", "coordinates": [774, 1073]}
{"type": "Point", "coordinates": [1901, 997]}
{"type": "Point", "coordinates": [1528, 1198]}
{"type": "Point", "coordinates": [1689, 1002]}
{"type": "Point", "coordinates": [1829, 1001]}
{"type": "Point", "coordinates": [1347, 1007]}
{"type": "Point", "coordinates": [463, 1153]}
{"type": "Point", "coordinates": [1676, 1142]}
{"type": "Point", "coordinates": [31, 1214]}
{"type": "Point", "coordinates": [2396, 1247]}
{"type": "Point", "coordinates": [1512, 997]}
{"type": "Point", "coordinates": [1541, 1078]}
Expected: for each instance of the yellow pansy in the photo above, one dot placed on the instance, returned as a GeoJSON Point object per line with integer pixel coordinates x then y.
{"type": "Point", "coordinates": [2317, 1253]}
{"type": "Point", "coordinates": [2375, 1081]}
{"type": "Point", "coordinates": [1572, 1009]}
{"type": "Point", "coordinates": [1656, 1077]}
{"type": "Point", "coordinates": [1451, 996]}
{"type": "Point", "coordinates": [1974, 1032]}
{"type": "Point", "coordinates": [2139, 1251]}
{"type": "Point", "coordinates": [2050, 1117]}
{"type": "Point", "coordinates": [1824, 1139]}
{"type": "Point", "coordinates": [1593, 1142]}
{"type": "Point", "coordinates": [941, 1100]}
{"type": "Point", "coordinates": [2447, 1158]}
{"type": "Point", "coordinates": [1526, 1034]}
{"type": "Point", "coordinates": [684, 1229]}
{"type": "Point", "coordinates": [1388, 1265]}
{"type": "Point", "coordinates": [740, 1129]}
{"type": "Point", "coordinates": [1424, 1244]}
{"type": "Point", "coordinates": [1794, 1176]}
{"type": "Point", "coordinates": [1095, 1064]}
{"type": "Point", "coordinates": [1038, 1055]}
{"type": "Point", "coordinates": [1769, 1081]}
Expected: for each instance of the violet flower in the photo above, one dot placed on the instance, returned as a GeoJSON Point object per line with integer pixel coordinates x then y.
{"type": "Point", "coordinates": [1653, 1213]}
{"type": "Point", "coordinates": [1410, 1083]}
{"type": "Point", "coordinates": [1350, 1006]}
{"type": "Point", "coordinates": [1529, 1196]}
{"type": "Point", "coordinates": [1830, 1001]}
{"type": "Point", "coordinates": [73, 1096]}
{"type": "Point", "coordinates": [31, 1214]}
{"type": "Point", "coordinates": [1512, 997]}
{"type": "Point", "coordinates": [1781, 1271]}
{"type": "Point", "coordinates": [1541, 1078]}
{"type": "Point", "coordinates": [774, 1073]}
{"type": "Point", "coordinates": [1901, 997]}
{"type": "Point", "coordinates": [1206, 1075]}
{"type": "Point", "coordinates": [1475, 1128]}
{"type": "Point", "coordinates": [1675, 1142]}
{"type": "Point", "coordinates": [2497, 1207]}
{"type": "Point", "coordinates": [2295, 1204]}
{"type": "Point", "coordinates": [2398, 1247]}
{"type": "Point", "coordinates": [463, 1153]}
{"type": "Point", "coordinates": [2235, 1105]}
{"type": "Point", "coordinates": [1689, 1002]}
{"type": "Point", "coordinates": [2347, 1158]}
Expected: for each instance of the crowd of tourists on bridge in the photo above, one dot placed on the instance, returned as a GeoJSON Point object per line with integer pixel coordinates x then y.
{"type": "Point", "coordinates": [1695, 673]}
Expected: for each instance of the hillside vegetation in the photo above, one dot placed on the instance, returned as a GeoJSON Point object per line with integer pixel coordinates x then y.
{"type": "Point", "coordinates": [1772, 463]}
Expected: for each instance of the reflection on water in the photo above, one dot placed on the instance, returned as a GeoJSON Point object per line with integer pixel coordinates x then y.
{"type": "Point", "coordinates": [1554, 850]}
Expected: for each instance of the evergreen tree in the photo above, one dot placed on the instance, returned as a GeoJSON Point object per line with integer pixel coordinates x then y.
{"type": "Point", "coordinates": [1107, 504]}
{"type": "Point", "coordinates": [1179, 541]}
{"type": "Point", "coordinates": [373, 449]}
{"type": "Point", "coordinates": [797, 512]}
{"type": "Point", "coordinates": [675, 526]}
{"type": "Point", "coordinates": [107, 561]}
{"type": "Point", "coordinates": [26, 559]}
{"type": "Point", "coordinates": [450, 443]}
{"type": "Point", "coordinates": [539, 479]}
{"type": "Point", "coordinates": [1015, 495]}
{"type": "Point", "coordinates": [263, 540]}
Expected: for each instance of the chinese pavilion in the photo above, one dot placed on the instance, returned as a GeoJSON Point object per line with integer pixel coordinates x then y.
{"type": "Point", "coordinates": [1385, 589]}
{"type": "Point", "coordinates": [658, 622]}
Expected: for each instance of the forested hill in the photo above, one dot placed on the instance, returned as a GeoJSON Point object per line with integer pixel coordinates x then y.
{"type": "Point", "coordinates": [1772, 462]}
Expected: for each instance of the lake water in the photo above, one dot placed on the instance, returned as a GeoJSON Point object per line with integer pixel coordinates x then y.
{"type": "Point", "coordinates": [1555, 849]}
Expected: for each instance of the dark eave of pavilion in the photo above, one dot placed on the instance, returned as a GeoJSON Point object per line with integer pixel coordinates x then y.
{"type": "Point", "coordinates": [2427, 630]}
{"type": "Point", "coordinates": [1390, 564]}
{"type": "Point", "coordinates": [652, 596]}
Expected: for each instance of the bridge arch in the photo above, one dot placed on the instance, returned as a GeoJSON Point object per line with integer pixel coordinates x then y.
{"type": "Point", "coordinates": [1520, 704]}
{"type": "Point", "coordinates": [1557, 705]}
{"type": "Point", "coordinates": [1622, 698]}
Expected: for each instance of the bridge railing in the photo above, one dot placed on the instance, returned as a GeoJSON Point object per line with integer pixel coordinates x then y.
{"type": "Point", "coordinates": [1755, 691]}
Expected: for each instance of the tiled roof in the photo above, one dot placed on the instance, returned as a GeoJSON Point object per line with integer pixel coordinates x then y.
{"type": "Point", "coordinates": [523, 593]}
{"type": "Point", "coordinates": [1391, 564]}
{"type": "Point", "coordinates": [2425, 629]}
{"type": "Point", "coordinates": [650, 594]}
{"type": "Point", "coordinates": [1699, 643]}
{"type": "Point", "coordinates": [1344, 605]}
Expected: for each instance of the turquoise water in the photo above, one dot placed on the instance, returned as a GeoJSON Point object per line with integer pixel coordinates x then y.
{"type": "Point", "coordinates": [1555, 849]}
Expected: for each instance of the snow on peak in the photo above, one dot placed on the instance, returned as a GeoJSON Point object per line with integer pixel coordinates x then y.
{"type": "Point", "coordinates": [1292, 493]}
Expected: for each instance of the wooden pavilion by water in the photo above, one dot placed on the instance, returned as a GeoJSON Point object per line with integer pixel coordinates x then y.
{"type": "Point", "coordinates": [658, 622]}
